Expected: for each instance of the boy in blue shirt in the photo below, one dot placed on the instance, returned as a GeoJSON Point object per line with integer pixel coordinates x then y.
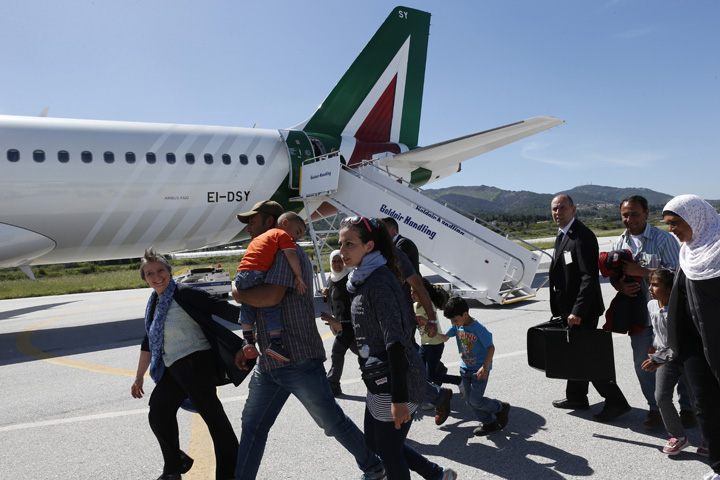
{"type": "Point", "coordinates": [476, 348]}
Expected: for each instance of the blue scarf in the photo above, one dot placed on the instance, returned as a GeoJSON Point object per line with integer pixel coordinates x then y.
{"type": "Point", "coordinates": [155, 329]}
{"type": "Point", "coordinates": [369, 264]}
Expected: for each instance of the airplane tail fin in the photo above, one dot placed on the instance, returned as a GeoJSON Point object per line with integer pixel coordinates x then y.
{"type": "Point", "coordinates": [378, 101]}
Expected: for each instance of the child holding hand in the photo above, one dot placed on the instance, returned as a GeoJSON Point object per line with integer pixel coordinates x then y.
{"type": "Point", "coordinates": [669, 372]}
{"type": "Point", "coordinates": [476, 348]}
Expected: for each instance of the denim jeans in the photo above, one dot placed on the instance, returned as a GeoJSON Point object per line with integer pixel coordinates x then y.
{"type": "Point", "coordinates": [399, 458]}
{"type": "Point", "coordinates": [485, 408]}
{"type": "Point", "coordinates": [667, 376]}
{"type": "Point", "coordinates": [434, 394]}
{"type": "Point", "coordinates": [268, 392]}
{"type": "Point", "coordinates": [640, 343]}
{"type": "Point", "coordinates": [246, 279]}
{"type": "Point", "coordinates": [431, 355]}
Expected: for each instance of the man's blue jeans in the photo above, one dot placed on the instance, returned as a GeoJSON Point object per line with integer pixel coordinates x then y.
{"type": "Point", "coordinates": [268, 392]}
{"type": "Point", "coordinates": [485, 408]}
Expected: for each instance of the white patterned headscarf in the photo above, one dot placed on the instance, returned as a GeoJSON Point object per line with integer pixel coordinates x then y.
{"type": "Point", "coordinates": [700, 257]}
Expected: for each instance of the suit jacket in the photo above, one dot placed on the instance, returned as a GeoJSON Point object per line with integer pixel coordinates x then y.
{"type": "Point", "coordinates": [409, 248]}
{"type": "Point", "coordinates": [202, 306]}
{"type": "Point", "coordinates": [574, 280]}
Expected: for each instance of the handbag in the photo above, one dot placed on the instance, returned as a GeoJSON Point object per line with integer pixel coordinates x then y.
{"type": "Point", "coordinates": [376, 376]}
{"type": "Point", "coordinates": [571, 353]}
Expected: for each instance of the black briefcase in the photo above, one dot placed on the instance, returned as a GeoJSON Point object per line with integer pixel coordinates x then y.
{"type": "Point", "coordinates": [571, 354]}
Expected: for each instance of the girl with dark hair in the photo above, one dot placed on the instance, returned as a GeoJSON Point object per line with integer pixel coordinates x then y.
{"type": "Point", "coordinates": [392, 369]}
{"type": "Point", "coordinates": [669, 372]}
{"type": "Point", "coordinates": [431, 348]}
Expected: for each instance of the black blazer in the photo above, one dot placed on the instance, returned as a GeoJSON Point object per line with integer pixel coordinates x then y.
{"type": "Point", "coordinates": [202, 306]}
{"type": "Point", "coordinates": [409, 248]}
{"type": "Point", "coordinates": [575, 285]}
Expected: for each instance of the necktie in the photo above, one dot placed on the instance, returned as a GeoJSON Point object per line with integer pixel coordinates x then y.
{"type": "Point", "coordinates": [558, 241]}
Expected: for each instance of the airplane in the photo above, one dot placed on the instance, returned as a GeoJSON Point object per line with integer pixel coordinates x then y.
{"type": "Point", "coordinates": [89, 190]}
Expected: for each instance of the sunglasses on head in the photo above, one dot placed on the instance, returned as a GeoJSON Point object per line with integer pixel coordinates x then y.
{"type": "Point", "coordinates": [357, 219]}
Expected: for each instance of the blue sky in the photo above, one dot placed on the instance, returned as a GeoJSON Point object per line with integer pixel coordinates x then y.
{"type": "Point", "coordinates": [637, 81]}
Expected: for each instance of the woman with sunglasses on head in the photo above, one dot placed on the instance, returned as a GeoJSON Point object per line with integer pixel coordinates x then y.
{"type": "Point", "coordinates": [383, 335]}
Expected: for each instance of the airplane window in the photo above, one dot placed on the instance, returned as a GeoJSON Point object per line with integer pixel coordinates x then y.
{"type": "Point", "coordinates": [226, 159]}
{"type": "Point", "coordinates": [13, 155]}
{"type": "Point", "coordinates": [190, 158]}
{"type": "Point", "coordinates": [109, 157]}
{"type": "Point", "coordinates": [170, 157]}
{"type": "Point", "coordinates": [260, 160]}
{"type": "Point", "coordinates": [208, 158]}
{"type": "Point", "coordinates": [243, 159]}
{"type": "Point", "coordinates": [86, 156]}
{"type": "Point", "coordinates": [39, 156]}
{"type": "Point", "coordinates": [63, 156]}
{"type": "Point", "coordinates": [130, 157]}
{"type": "Point", "coordinates": [150, 157]}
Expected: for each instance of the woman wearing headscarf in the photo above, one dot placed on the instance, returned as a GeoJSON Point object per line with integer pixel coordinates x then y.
{"type": "Point", "coordinates": [694, 311]}
{"type": "Point", "coordinates": [188, 354]}
{"type": "Point", "coordinates": [339, 301]}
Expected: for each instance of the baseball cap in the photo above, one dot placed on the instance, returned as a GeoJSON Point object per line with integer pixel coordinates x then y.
{"type": "Point", "coordinates": [267, 206]}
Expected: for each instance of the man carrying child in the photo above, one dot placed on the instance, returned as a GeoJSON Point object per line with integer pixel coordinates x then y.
{"type": "Point", "coordinates": [253, 268]}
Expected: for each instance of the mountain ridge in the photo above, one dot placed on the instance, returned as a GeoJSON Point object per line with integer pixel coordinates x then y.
{"type": "Point", "coordinates": [485, 198]}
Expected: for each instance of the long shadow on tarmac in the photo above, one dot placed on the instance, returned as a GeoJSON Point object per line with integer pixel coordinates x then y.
{"type": "Point", "coordinates": [510, 453]}
{"type": "Point", "coordinates": [73, 340]}
{"type": "Point", "coordinates": [64, 341]}
{"type": "Point", "coordinates": [6, 315]}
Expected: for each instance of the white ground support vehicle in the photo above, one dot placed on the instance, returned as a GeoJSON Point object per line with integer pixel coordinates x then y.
{"type": "Point", "coordinates": [213, 280]}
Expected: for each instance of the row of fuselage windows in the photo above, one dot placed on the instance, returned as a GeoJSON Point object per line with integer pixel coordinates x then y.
{"type": "Point", "coordinates": [63, 156]}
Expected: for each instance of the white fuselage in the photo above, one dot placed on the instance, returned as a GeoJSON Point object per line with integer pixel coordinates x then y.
{"type": "Point", "coordinates": [59, 205]}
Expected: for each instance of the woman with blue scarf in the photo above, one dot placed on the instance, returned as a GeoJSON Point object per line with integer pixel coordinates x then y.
{"type": "Point", "coordinates": [392, 368]}
{"type": "Point", "coordinates": [188, 354]}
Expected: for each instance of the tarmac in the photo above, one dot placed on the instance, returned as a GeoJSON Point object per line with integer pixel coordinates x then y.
{"type": "Point", "coordinates": [67, 363]}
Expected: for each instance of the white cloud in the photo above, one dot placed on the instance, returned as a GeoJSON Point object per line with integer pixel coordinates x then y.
{"type": "Point", "coordinates": [590, 156]}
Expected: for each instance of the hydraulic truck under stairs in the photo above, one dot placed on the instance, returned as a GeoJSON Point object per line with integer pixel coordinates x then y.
{"type": "Point", "coordinates": [476, 261]}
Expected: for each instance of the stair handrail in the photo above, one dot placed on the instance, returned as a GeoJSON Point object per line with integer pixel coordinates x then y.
{"type": "Point", "coordinates": [386, 171]}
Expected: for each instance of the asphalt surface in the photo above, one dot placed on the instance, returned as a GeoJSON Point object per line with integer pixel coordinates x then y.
{"type": "Point", "coordinates": [67, 363]}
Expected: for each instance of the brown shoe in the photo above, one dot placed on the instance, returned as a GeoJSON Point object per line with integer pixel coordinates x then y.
{"type": "Point", "coordinates": [443, 410]}
{"type": "Point", "coordinates": [653, 420]}
{"type": "Point", "coordinates": [688, 418]}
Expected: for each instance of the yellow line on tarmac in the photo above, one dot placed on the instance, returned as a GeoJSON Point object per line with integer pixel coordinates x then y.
{"type": "Point", "coordinates": [24, 345]}
{"type": "Point", "coordinates": [202, 450]}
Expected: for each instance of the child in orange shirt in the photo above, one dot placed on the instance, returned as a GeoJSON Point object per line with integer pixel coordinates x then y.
{"type": "Point", "coordinates": [253, 268]}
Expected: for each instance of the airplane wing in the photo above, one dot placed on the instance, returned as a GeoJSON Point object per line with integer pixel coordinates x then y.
{"type": "Point", "coordinates": [444, 155]}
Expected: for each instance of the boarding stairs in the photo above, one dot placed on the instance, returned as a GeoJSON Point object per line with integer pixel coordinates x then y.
{"type": "Point", "coordinates": [475, 261]}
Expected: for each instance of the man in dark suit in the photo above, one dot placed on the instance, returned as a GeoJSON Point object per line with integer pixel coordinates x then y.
{"type": "Point", "coordinates": [575, 296]}
{"type": "Point", "coordinates": [407, 246]}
